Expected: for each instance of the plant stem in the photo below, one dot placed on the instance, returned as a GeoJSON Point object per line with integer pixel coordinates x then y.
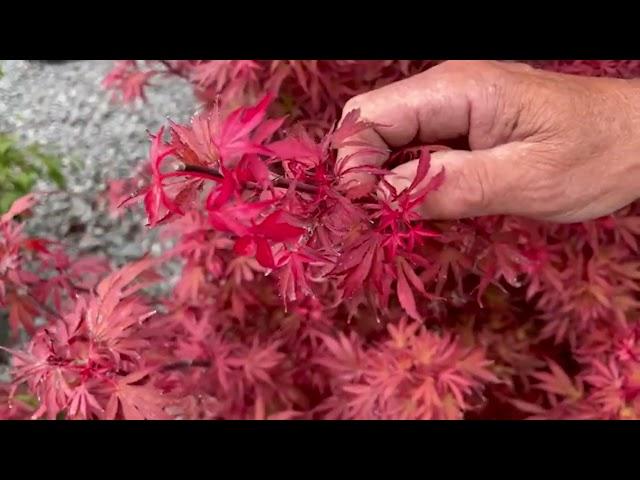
{"type": "Point", "coordinates": [278, 182]}
{"type": "Point", "coordinates": [44, 307]}
{"type": "Point", "coordinates": [186, 364]}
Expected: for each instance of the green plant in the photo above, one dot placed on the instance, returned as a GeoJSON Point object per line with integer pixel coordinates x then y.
{"type": "Point", "coordinates": [21, 167]}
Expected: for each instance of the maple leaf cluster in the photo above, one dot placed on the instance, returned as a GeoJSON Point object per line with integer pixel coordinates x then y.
{"type": "Point", "coordinates": [36, 275]}
{"type": "Point", "coordinates": [306, 294]}
{"type": "Point", "coordinates": [96, 360]}
{"type": "Point", "coordinates": [308, 91]}
{"type": "Point", "coordinates": [311, 92]}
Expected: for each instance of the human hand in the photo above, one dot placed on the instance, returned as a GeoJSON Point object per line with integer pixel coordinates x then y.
{"type": "Point", "coordinates": [542, 145]}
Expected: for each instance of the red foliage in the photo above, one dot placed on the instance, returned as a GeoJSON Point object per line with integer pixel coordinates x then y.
{"type": "Point", "coordinates": [303, 295]}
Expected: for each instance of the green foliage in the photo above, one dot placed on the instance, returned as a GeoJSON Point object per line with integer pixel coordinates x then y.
{"type": "Point", "coordinates": [28, 399]}
{"type": "Point", "coordinates": [21, 168]}
{"type": "Point", "coordinates": [4, 335]}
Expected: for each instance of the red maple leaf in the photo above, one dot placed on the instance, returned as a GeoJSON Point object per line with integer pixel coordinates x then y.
{"type": "Point", "coordinates": [257, 239]}
{"type": "Point", "coordinates": [132, 401]}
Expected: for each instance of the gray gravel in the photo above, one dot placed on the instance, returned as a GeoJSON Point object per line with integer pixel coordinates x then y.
{"type": "Point", "coordinates": [64, 107]}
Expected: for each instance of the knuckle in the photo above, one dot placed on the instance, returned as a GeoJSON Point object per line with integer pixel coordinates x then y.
{"type": "Point", "coordinates": [475, 187]}
{"type": "Point", "coordinates": [520, 67]}
{"type": "Point", "coordinates": [464, 65]}
{"type": "Point", "coordinates": [480, 76]}
{"type": "Point", "coordinates": [469, 187]}
{"type": "Point", "coordinates": [468, 196]}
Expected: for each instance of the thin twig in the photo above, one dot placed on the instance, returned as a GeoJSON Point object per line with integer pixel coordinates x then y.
{"type": "Point", "coordinates": [279, 182]}
{"type": "Point", "coordinates": [186, 364]}
{"type": "Point", "coordinates": [45, 308]}
{"type": "Point", "coordinates": [79, 288]}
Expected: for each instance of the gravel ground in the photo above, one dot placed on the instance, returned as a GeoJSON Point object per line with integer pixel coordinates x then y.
{"type": "Point", "coordinates": [63, 107]}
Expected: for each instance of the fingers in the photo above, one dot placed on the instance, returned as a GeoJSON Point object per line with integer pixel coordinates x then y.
{"type": "Point", "coordinates": [476, 183]}
{"type": "Point", "coordinates": [432, 106]}
{"type": "Point", "coordinates": [445, 103]}
{"type": "Point", "coordinates": [397, 127]}
{"type": "Point", "coordinates": [429, 107]}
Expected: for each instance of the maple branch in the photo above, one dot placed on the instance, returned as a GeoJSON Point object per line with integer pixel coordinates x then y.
{"type": "Point", "coordinates": [186, 364]}
{"type": "Point", "coordinates": [79, 288]}
{"type": "Point", "coordinates": [280, 182]}
{"type": "Point", "coordinates": [45, 308]}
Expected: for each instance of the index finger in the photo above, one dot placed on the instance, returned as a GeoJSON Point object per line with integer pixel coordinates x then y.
{"type": "Point", "coordinates": [430, 107]}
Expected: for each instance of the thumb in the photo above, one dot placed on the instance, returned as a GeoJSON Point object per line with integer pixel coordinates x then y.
{"type": "Point", "coordinates": [476, 183]}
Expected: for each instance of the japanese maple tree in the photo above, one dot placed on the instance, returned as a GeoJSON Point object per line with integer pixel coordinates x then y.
{"type": "Point", "coordinates": [305, 295]}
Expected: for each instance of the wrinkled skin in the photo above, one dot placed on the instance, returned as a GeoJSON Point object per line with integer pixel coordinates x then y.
{"type": "Point", "coordinates": [542, 145]}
